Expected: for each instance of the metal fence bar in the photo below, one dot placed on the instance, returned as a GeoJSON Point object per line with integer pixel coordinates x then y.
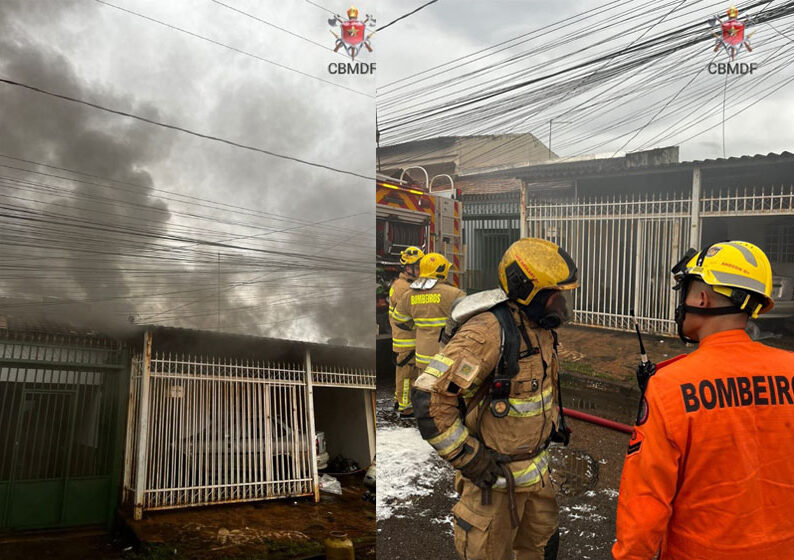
{"type": "Point", "coordinates": [220, 430]}
{"type": "Point", "coordinates": [752, 201]}
{"type": "Point", "coordinates": [143, 428]}
{"type": "Point", "coordinates": [622, 245]}
{"type": "Point", "coordinates": [310, 400]}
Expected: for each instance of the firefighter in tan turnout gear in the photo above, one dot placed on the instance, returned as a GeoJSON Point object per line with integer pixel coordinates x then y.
{"type": "Point", "coordinates": [489, 403]}
{"type": "Point", "coordinates": [426, 306]}
{"type": "Point", "coordinates": [403, 341]}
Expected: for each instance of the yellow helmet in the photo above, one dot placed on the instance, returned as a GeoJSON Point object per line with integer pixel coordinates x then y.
{"type": "Point", "coordinates": [733, 13]}
{"type": "Point", "coordinates": [411, 255]}
{"type": "Point", "coordinates": [434, 265]}
{"type": "Point", "coordinates": [736, 269]}
{"type": "Point", "coordinates": [530, 265]}
{"type": "Point", "coordinates": [352, 12]}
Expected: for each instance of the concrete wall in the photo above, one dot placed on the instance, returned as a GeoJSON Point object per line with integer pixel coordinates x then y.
{"type": "Point", "coordinates": [483, 152]}
{"type": "Point", "coordinates": [342, 415]}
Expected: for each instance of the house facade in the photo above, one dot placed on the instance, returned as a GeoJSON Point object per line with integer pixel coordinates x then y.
{"type": "Point", "coordinates": [161, 418]}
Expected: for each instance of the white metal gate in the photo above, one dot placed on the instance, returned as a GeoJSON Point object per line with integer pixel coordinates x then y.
{"type": "Point", "coordinates": [624, 247]}
{"type": "Point", "coordinates": [208, 430]}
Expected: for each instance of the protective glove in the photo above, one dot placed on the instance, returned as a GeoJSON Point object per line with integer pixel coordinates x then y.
{"type": "Point", "coordinates": [482, 470]}
{"type": "Point", "coordinates": [644, 373]}
{"type": "Point", "coordinates": [562, 433]}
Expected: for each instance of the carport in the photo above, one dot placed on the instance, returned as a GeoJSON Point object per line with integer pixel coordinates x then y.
{"type": "Point", "coordinates": [221, 418]}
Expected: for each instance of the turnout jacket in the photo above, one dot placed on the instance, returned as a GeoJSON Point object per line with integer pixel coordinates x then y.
{"type": "Point", "coordinates": [426, 309]}
{"type": "Point", "coordinates": [709, 471]}
{"type": "Point", "coordinates": [458, 372]}
{"type": "Point", "coordinates": [402, 340]}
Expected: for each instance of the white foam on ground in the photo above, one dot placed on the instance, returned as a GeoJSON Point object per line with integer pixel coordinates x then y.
{"type": "Point", "coordinates": [610, 492]}
{"type": "Point", "coordinates": [407, 468]}
{"type": "Point", "coordinates": [448, 522]}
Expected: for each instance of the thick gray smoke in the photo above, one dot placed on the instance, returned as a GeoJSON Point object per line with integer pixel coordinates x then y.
{"type": "Point", "coordinates": [38, 128]}
{"type": "Point", "coordinates": [59, 268]}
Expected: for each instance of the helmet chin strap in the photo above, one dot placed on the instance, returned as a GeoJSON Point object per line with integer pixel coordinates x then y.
{"type": "Point", "coordinates": [683, 309]}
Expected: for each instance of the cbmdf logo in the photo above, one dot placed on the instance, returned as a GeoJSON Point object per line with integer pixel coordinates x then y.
{"type": "Point", "coordinates": [353, 32]}
{"type": "Point", "coordinates": [731, 33]}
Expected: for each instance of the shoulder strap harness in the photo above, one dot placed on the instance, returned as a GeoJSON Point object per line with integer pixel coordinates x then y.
{"type": "Point", "coordinates": [507, 367]}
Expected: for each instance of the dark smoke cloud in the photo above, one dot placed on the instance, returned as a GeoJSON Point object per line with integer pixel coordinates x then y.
{"type": "Point", "coordinates": [62, 134]}
{"type": "Point", "coordinates": [248, 104]}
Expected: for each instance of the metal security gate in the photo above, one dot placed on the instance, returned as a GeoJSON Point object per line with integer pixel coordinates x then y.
{"type": "Point", "coordinates": [209, 430]}
{"type": "Point", "coordinates": [490, 224]}
{"type": "Point", "coordinates": [61, 410]}
{"type": "Point", "coordinates": [624, 247]}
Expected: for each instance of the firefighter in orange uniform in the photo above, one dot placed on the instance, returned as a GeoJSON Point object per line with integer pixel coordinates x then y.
{"type": "Point", "coordinates": [709, 471]}
{"type": "Point", "coordinates": [403, 341]}
{"type": "Point", "coordinates": [426, 306]}
{"type": "Point", "coordinates": [489, 403]}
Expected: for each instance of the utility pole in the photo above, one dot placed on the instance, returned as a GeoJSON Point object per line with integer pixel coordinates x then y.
{"type": "Point", "coordinates": [219, 290]}
{"type": "Point", "coordinates": [551, 121]}
{"type": "Point", "coordinates": [377, 139]}
{"type": "Point", "coordinates": [724, 97]}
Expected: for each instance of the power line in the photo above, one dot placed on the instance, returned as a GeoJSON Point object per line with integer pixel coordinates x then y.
{"type": "Point", "coordinates": [642, 60]}
{"type": "Point", "coordinates": [185, 130]}
{"type": "Point", "coordinates": [273, 25]}
{"type": "Point", "coordinates": [458, 59]}
{"type": "Point", "coordinates": [673, 98]}
{"type": "Point", "coordinates": [320, 263]}
{"type": "Point", "coordinates": [319, 6]}
{"type": "Point", "coordinates": [406, 15]}
{"type": "Point", "coordinates": [213, 205]}
{"type": "Point", "coordinates": [231, 48]}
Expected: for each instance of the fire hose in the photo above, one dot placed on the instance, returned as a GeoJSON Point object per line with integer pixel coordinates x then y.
{"type": "Point", "coordinates": [617, 426]}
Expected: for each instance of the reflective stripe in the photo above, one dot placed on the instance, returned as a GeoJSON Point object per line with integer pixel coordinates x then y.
{"type": "Point", "coordinates": [746, 253]}
{"type": "Point", "coordinates": [438, 365]}
{"type": "Point", "coordinates": [399, 317]}
{"type": "Point", "coordinates": [441, 363]}
{"type": "Point", "coordinates": [403, 342]}
{"type": "Point", "coordinates": [430, 321]}
{"type": "Point", "coordinates": [739, 281]}
{"type": "Point", "coordinates": [405, 402]}
{"type": "Point", "coordinates": [471, 391]}
{"type": "Point", "coordinates": [523, 408]}
{"type": "Point", "coordinates": [529, 475]}
{"type": "Point", "coordinates": [423, 359]}
{"type": "Point", "coordinates": [450, 439]}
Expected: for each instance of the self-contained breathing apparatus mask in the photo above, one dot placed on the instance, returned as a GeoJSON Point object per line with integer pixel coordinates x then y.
{"type": "Point", "coordinates": [548, 316]}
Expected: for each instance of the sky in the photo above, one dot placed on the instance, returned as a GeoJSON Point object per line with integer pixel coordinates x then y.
{"type": "Point", "coordinates": [678, 88]}
{"type": "Point", "coordinates": [107, 218]}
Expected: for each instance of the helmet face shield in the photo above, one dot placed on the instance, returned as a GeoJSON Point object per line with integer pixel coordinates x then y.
{"type": "Point", "coordinates": [680, 266]}
{"type": "Point", "coordinates": [683, 282]}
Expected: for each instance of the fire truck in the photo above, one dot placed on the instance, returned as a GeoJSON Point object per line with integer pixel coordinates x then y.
{"type": "Point", "coordinates": [411, 214]}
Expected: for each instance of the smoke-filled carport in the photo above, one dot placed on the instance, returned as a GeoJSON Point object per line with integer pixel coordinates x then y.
{"type": "Point", "coordinates": [221, 418]}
